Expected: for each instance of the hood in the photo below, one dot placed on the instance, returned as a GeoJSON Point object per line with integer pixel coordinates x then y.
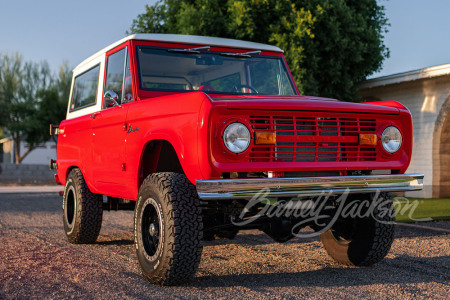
{"type": "Point", "coordinates": [303, 103]}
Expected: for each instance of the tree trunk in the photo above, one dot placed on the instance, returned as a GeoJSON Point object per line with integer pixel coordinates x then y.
{"type": "Point", "coordinates": [16, 140]}
{"type": "Point", "coordinates": [19, 158]}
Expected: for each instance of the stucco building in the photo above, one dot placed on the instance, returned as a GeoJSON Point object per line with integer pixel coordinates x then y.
{"type": "Point", "coordinates": [426, 93]}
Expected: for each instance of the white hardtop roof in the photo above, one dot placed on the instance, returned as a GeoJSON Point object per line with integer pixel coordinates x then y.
{"type": "Point", "coordinates": [424, 73]}
{"type": "Point", "coordinates": [187, 39]}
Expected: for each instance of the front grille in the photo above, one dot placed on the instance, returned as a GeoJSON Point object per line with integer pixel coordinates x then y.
{"type": "Point", "coordinates": [309, 138]}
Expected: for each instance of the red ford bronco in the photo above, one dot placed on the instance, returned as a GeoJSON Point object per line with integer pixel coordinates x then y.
{"type": "Point", "coordinates": [203, 137]}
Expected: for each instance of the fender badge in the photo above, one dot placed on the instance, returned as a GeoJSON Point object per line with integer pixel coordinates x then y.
{"type": "Point", "coordinates": [131, 129]}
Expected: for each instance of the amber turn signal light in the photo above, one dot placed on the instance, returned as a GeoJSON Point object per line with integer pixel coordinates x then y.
{"type": "Point", "coordinates": [367, 139]}
{"type": "Point", "coordinates": [265, 138]}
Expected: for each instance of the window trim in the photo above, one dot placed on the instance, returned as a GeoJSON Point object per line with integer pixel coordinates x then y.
{"type": "Point", "coordinates": [73, 86]}
{"type": "Point", "coordinates": [124, 73]}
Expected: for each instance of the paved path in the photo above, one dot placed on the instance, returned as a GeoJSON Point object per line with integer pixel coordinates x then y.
{"type": "Point", "coordinates": [36, 261]}
{"type": "Point", "coordinates": [30, 189]}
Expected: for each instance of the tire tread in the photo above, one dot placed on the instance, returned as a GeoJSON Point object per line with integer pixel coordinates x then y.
{"type": "Point", "coordinates": [88, 228]}
{"type": "Point", "coordinates": [183, 253]}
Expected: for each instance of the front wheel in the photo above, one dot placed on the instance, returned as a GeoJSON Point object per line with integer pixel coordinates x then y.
{"type": "Point", "coordinates": [168, 229]}
{"type": "Point", "coordinates": [362, 241]}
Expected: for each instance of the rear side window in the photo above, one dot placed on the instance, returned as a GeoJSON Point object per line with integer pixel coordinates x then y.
{"type": "Point", "coordinates": [85, 89]}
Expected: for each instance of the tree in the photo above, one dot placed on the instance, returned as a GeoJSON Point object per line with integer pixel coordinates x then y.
{"type": "Point", "coordinates": [30, 99]}
{"type": "Point", "coordinates": [10, 69]}
{"type": "Point", "coordinates": [330, 44]}
{"type": "Point", "coordinates": [51, 106]}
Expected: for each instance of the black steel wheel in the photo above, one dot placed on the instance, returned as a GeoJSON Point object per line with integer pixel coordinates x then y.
{"type": "Point", "coordinates": [151, 225]}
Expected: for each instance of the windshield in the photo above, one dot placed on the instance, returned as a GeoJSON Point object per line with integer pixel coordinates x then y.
{"type": "Point", "coordinates": [212, 72]}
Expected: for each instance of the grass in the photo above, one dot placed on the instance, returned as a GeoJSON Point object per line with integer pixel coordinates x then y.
{"type": "Point", "coordinates": [410, 210]}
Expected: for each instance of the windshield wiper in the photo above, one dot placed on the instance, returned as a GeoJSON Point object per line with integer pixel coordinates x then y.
{"type": "Point", "coordinates": [241, 55]}
{"type": "Point", "coordinates": [190, 50]}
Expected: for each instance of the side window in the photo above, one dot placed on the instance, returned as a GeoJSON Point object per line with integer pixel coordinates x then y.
{"type": "Point", "coordinates": [85, 89]}
{"type": "Point", "coordinates": [117, 65]}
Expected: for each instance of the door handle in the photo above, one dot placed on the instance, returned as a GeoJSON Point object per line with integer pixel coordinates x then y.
{"type": "Point", "coordinates": [93, 115]}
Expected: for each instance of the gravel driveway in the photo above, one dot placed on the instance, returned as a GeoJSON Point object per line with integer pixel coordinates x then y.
{"type": "Point", "coordinates": [36, 261]}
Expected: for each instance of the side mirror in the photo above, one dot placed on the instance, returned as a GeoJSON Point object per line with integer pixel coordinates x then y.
{"type": "Point", "coordinates": [110, 99]}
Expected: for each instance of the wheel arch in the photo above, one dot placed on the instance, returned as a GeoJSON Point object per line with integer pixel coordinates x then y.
{"type": "Point", "coordinates": [88, 182]}
{"type": "Point", "coordinates": [158, 155]}
{"type": "Point", "coordinates": [66, 171]}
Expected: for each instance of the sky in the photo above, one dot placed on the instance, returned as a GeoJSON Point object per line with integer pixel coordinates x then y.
{"type": "Point", "coordinates": [63, 30]}
{"type": "Point", "coordinates": [419, 35]}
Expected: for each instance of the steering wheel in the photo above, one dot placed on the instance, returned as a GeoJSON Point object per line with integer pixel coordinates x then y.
{"type": "Point", "coordinates": [239, 88]}
{"type": "Point", "coordinates": [206, 88]}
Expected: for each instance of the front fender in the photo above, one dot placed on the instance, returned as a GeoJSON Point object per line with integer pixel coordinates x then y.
{"type": "Point", "coordinates": [173, 118]}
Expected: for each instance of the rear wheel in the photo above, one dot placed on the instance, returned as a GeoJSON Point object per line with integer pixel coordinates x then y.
{"type": "Point", "coordinates": [362, 241]}
{"type": "Point", "coordinates": [82, 210]}
{"type": "Point", "coordinates": [168, 229]}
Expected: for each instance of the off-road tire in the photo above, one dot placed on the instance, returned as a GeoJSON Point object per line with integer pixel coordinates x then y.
{"type": "Point", "coordinates": [372, 238]}
{"type": "Point", "coordinates": [82, 210]}
{"type": "Point", "coordinates": [170, 251]}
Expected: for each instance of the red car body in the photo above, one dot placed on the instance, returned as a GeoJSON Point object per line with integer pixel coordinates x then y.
{"type": "Point", "coordinates": [110, 146]}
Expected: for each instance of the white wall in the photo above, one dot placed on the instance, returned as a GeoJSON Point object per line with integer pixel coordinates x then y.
{"type": "Point", "coordinates": [39, 156]}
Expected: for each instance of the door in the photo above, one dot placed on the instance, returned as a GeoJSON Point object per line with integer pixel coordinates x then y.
{"type": "Point", "coordinates": [109, 129]}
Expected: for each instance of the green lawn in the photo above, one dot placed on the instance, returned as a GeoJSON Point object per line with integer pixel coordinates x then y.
{"type": "Point", "coordinates": [411, 210]}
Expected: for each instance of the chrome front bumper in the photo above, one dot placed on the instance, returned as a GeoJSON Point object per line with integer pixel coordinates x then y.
{"type": "Point", "coordinates": [306, 186]}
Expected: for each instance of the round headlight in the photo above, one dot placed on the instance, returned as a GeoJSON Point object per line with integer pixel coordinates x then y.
{"type": "Point", "coordinates": [236, 137]}
{"type": "Point", "coordinates": [391, 139]}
